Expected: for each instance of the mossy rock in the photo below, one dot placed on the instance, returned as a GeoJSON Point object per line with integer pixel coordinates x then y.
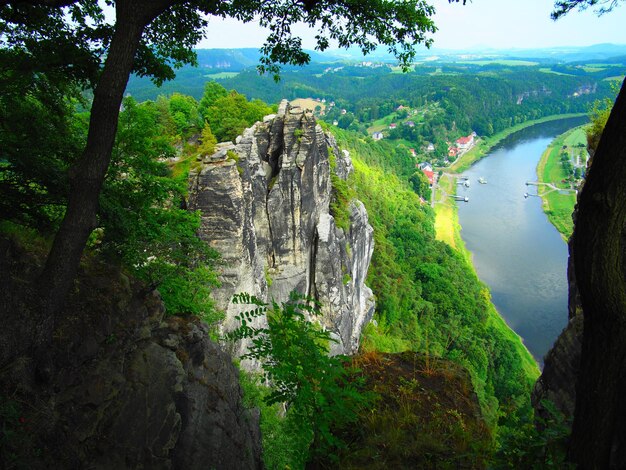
{"type": "Point", "coordinates": [425, 415]}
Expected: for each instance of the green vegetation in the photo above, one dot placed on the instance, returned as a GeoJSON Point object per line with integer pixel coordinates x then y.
{"type": "Point", "coordinates": [141, 225]}
{"type": "Point", "coordinates": [537, 445]}
{"type": "Point", "coordinates": [319, 390]}
{"type": "Point", "coordinates": [420, 184]}
{"type": "Point", "coordinates": [447, 228]}
{"type": "Point", "coordinates": [509, 62]}
{"type": "Point", "coordinates": [428, 296]}
{"type": "Point", "coordinates": [285, 443]}
{"type": "Point", "coordinates": [228, 113]}
{"type": "Point", "coordinates": [549, 70]}
{"type": "Point", "coordinates": [557, 171]}
{"type": "Point", "coordinates": [424, 416]}
{"type": "Point", "coordinates": [342, 194]}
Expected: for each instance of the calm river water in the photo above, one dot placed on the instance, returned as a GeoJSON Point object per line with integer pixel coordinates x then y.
{"type": "Point", "coordinates": [517, 252]}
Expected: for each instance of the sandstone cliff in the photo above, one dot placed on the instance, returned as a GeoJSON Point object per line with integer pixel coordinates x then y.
{"type": "Point", "coordinates": [120, 386]}
{"type": "Point", "coordinates": [557, 382]}
{"type": "Point", "coordinates": [265, 204]}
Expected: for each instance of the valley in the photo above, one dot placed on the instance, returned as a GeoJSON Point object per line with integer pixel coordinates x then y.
{"type": "Point", "coordinates": [368, 244]}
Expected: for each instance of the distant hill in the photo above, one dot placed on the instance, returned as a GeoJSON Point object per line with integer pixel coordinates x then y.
{"type": "Point", "coordinates": [235, 60]}
{"type": "Point", "coordinates": [213, 64]}
{"type": "Point", "coordinates": [226, 64]}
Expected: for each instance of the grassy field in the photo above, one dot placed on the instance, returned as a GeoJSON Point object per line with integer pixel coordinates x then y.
{"type": "Point", "coordinates": [485, 145]}
{"type": "Point", "coordinates": [447, 226]}
{"type": "Point", "coordinates": [382, 123]}
{"type": "Point", "coordinates": [557, 206]}
{"type": "Point", "coordinates": [510, 62]}
{"type": "Point", "coordinates": [445, 213]}
{"type": "Point", "coordinates": [398, 69]}
{"type": "Point", "coordinates": [593, 68]}
{"type": "Point", "coordinates": [549, 70]}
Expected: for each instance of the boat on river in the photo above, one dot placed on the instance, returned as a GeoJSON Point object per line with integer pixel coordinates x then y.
{"type": "Point", "coordinates": [482, 180]}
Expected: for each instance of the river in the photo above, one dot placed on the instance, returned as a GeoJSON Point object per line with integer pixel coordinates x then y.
{"type": "Point", "coordinates": [517, 252]}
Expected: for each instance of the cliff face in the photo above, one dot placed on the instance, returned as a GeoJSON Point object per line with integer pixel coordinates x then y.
{"type": "Point", "coordinates": [557, 382]}
{"type": "Point", "coordinates": [264, 204]}
{"type": "Point", "coordinates": [120, 385]}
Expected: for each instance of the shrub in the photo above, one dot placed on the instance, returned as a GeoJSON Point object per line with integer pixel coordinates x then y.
{"type": "Point", "coordinates": [319, 390]}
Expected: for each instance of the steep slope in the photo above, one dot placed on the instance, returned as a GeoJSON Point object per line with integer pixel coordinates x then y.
{"type": "Point", "coordinates": [429, 299]}
{"type": "Point", "coordinates": [265, 205]}
{"type": "Point", "coordinates": [426, 415]}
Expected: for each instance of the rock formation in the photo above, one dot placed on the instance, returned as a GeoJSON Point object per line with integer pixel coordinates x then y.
{"type": "Point", "coordinates": [120, 386]}
{"type": "Point", "coordinates": [557, 382]}
{"type": "Point", "coordinates": [264, 205]}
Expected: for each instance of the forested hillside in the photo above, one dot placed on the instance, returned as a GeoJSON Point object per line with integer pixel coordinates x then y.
{"type": "Point", "coordinates": [431, 104]}
{"type": "Point", "coordinates": [428, 298]}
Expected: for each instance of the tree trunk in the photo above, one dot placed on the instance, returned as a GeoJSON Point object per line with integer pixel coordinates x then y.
{"type": "Point", "coordinates": [87, 176]}
{"type": "Point", "coordinates": [598, 438]}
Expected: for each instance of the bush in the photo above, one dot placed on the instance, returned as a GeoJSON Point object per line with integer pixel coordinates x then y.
{"type": "Point", "coordinates": [318, 390]}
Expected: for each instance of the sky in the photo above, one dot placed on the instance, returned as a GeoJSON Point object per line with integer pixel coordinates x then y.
{"type": "Point", "coordinates": [497, 24]}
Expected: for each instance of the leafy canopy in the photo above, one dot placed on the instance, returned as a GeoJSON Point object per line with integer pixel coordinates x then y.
{"type": "Point", "coordinates": [561, 7]}
{"type": "Point", "coordinates": [228, 113]}
{"type": "Point", "coordinates": [73, 36]}
{"type": "Point", "coordinates": [141, 220]}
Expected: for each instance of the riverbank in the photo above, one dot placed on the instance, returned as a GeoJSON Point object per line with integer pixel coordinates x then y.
{"type": "Point", "coordinates": [484, 145]}
{"type": "Point", "coordinates": [559, 206]}
{"type": "Point", "coordinates": [448, 230]}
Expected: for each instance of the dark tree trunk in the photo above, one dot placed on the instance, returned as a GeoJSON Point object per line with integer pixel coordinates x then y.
{"type": "Point", "coordinates": [599, 432]}
{"type": "Point", "coordinates": [88, 174]}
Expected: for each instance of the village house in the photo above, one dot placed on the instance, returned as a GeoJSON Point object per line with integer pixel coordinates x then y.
{"type": "Point", "coordinates": [461, 145]}
{"type": "Point", "coordinates": [393, 125]}
{"type": "Point", "coordinates": [430, 147]}
{"type": "Point", "coordinates": [409, 123]}
{"type": "Point", "coordinates": [432, 177]}
{"type": "Point", "coordinates": [425, 166]}
{"type": "Point", "coordinates": [465, 143]}
{"type": "Point", "coordinates": [413, 154]}
{"type": "Point", "coordinates": [377, 135]}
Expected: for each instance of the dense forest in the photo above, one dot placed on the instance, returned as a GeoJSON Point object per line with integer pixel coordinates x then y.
{"type": "Point", "coordinates": [442, 101]}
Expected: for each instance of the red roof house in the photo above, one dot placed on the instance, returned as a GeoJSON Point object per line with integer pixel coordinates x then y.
{"type": "Point", "coordinates": [430, 175]}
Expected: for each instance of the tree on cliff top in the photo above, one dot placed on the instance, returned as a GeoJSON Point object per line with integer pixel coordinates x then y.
{"type": "Point", "coordinates": [149, 37]}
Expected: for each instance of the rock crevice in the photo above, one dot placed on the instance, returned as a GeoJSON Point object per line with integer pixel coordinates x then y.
{"type": "Point", "coordinates": [265, 206]}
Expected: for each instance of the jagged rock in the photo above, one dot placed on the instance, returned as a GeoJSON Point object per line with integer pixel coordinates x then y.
{"type": "Point", "coordinates": [269, 217]}
{"type": "Point", "coordinates": [127, 388]}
